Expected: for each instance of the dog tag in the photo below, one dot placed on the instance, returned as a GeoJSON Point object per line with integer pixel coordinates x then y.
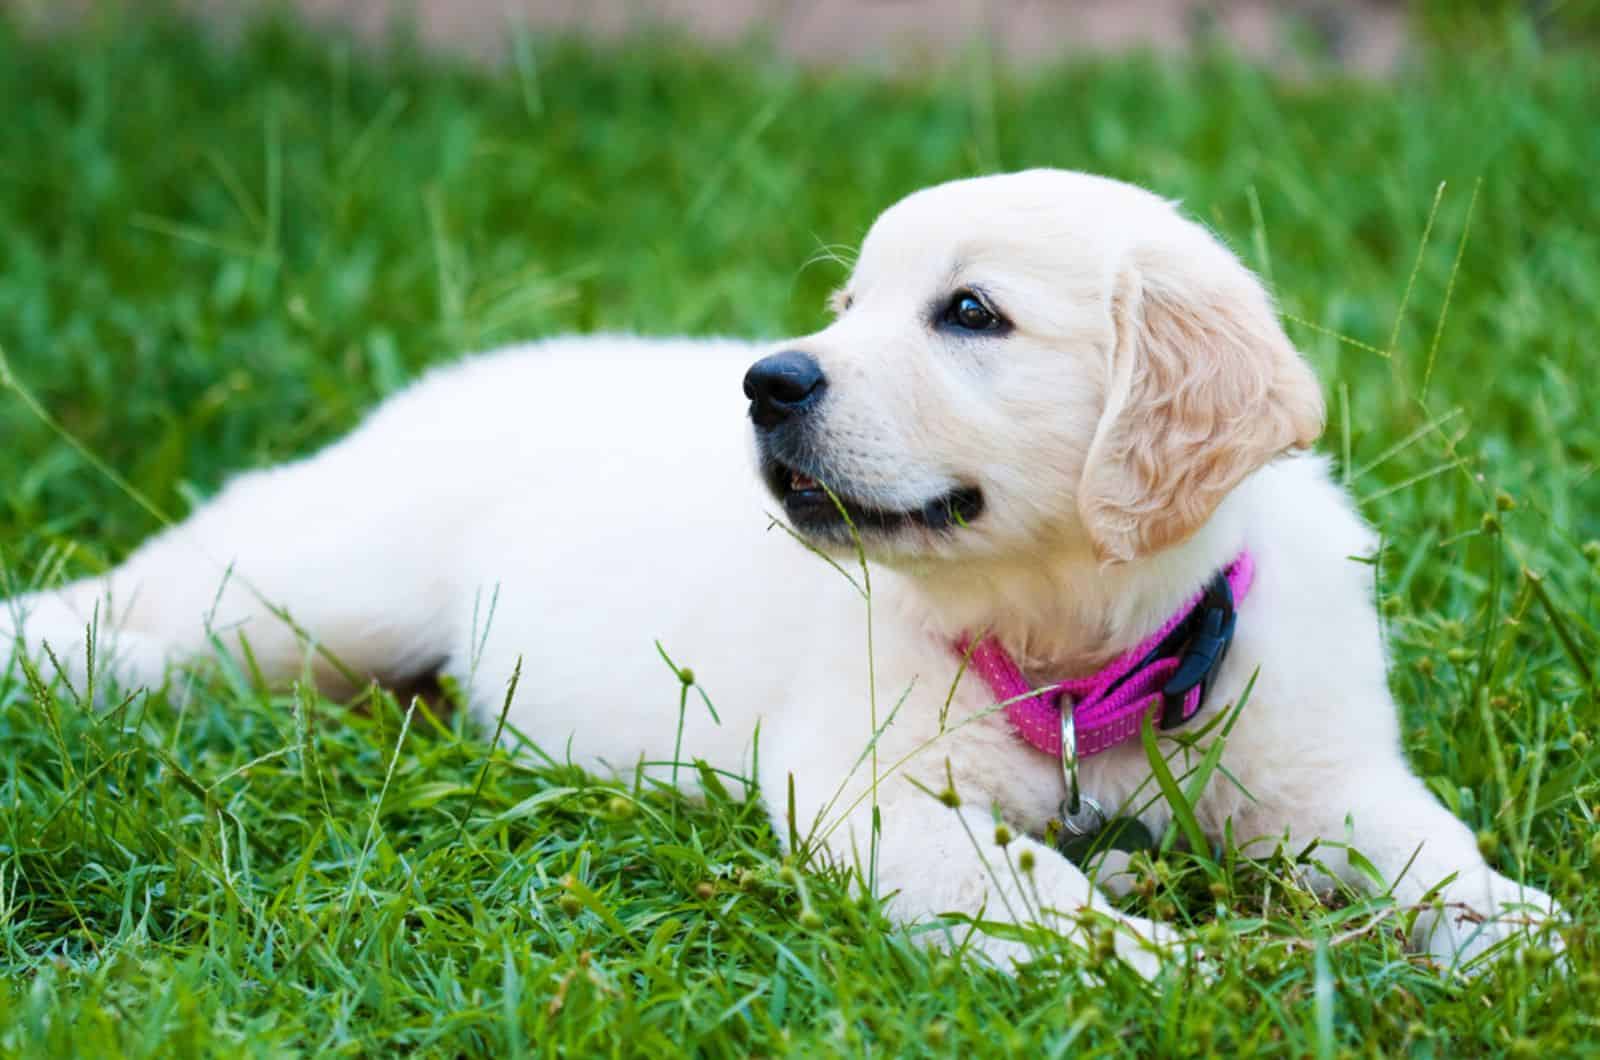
{"type": "Point", "coordinates": [1127, 834]}
{"type": "Point", "coordinates": [1085, 823]}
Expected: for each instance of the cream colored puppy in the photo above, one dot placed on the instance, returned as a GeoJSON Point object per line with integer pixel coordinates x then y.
{"type": "Point", "coordinates": [1053, 409]}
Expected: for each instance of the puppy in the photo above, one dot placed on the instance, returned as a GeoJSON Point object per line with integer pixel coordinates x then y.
{"type": "Point", "coordinates": [1055, 419]}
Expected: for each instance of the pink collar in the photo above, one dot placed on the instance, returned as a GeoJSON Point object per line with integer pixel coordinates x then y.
{"type": "Point", "coordinates": [1164, 675]}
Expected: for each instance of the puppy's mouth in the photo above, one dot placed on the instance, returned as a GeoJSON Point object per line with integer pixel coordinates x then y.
{"type": "Point", "coordinates": [814, 512]}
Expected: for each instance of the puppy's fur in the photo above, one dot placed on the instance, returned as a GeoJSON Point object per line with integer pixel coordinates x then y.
{"type": "Point", "coordinates": [574, 502]}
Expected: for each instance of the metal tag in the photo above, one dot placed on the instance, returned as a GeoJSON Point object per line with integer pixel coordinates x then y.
{"type": "Point", "coordinates": [1127, 834]}
{"type": "Point", "coordinates": [1086, 823]}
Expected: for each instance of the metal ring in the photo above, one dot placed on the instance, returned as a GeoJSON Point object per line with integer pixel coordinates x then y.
{"type": "Point", "coordinates": [1080, 814]}
{"type": "Point", "coordinates": [1069, 753]}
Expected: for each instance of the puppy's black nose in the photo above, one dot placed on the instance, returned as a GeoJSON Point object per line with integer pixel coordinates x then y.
{"type": "Point", "coordinates": [782, 385]}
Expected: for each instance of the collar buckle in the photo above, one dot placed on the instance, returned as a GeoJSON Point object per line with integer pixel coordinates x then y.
{"type": "Point", "coordinates": [1213, 623]}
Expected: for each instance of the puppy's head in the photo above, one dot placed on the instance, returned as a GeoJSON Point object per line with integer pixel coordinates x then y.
{"type": "Point", "coordinates": [1042, 361]}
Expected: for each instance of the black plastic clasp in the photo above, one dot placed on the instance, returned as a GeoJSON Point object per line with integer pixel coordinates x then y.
{"type": "Point", "coordinates": [1213, 633]}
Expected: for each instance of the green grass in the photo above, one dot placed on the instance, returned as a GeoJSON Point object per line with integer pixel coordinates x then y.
{"type": "Point", "coordinates": [214, 259]}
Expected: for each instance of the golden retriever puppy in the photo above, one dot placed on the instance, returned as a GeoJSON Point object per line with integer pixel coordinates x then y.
{"type": "Point", "coordinates": [1057, 419]}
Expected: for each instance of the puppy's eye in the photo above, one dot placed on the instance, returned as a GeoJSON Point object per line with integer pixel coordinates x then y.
{"type": "Point", "coordinates": [967, 312]}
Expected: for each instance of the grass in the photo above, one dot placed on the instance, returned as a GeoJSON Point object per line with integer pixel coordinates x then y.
{"type": "Point", "coordinates": [218, 258]}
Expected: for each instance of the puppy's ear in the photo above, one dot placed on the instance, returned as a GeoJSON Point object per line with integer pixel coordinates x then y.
{"type": "Point", "coordinates": [1204, 388]}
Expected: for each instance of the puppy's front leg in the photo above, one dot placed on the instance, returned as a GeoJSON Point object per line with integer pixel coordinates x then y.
{"type": "Point", "coordinates": [1417, 846]}
{"type": "Point", "coordinates": [935, 860]}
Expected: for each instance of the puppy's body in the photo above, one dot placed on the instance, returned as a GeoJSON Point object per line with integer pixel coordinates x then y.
{"type": "Point", "coordinates": [574, 503]}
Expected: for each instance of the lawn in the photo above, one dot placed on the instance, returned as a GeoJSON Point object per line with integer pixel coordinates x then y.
{"type": "Point", "coordinates": [213, 258]}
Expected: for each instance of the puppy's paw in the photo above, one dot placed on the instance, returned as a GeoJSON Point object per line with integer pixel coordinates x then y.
{"type": "Point", "coordinates": [1151, 951]}
{"type": "Point", "coordinates": [62, 646]}
{"type": "Point", "coordinates": [1113, 873]}
{"type": "Point", "coordinates": [1144, 946]}
{"type": "Point", "coordinates": [1484, 916]}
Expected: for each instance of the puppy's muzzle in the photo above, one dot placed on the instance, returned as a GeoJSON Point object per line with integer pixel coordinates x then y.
{"type": "Point", "coordinates": [782, 387]}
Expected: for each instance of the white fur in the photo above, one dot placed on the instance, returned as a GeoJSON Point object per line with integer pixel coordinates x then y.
{"type": "Point", "coordinates": [601, 493]}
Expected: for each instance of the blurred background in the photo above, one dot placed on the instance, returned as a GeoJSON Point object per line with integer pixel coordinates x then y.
{"type": "Point", "coordinates": [1368, 36]}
